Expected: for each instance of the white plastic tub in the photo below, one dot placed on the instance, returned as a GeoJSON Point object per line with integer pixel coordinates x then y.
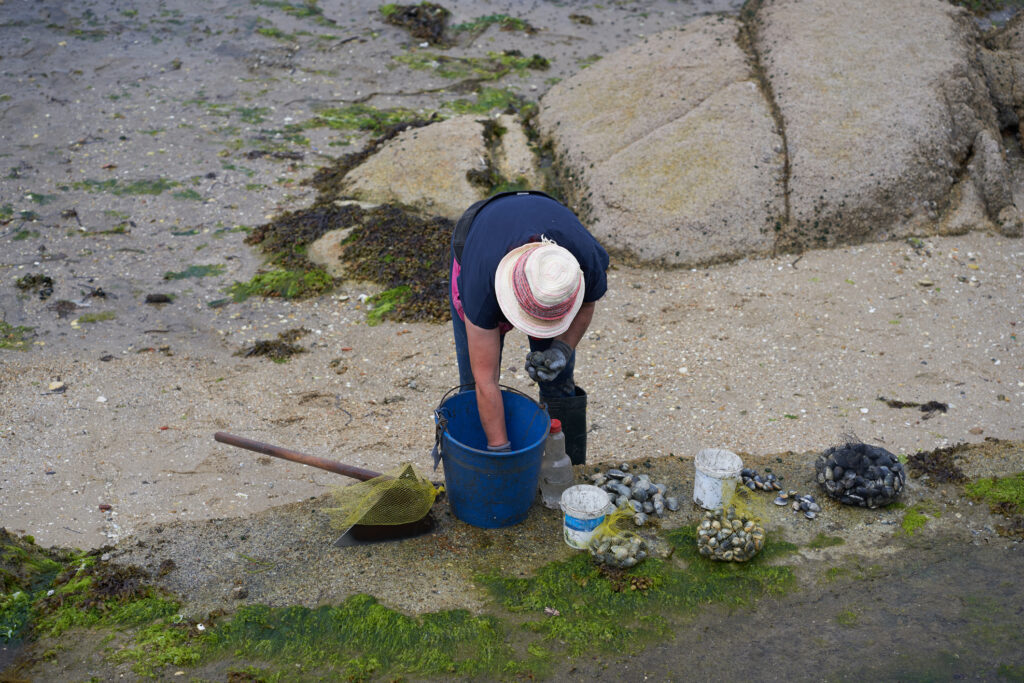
{"type": "Point", "coordinates": [718, 473]}
{"type": "Point", "coordinates": [584, 508]}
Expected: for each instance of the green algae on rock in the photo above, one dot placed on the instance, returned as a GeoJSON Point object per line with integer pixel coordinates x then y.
{"type": "Point", "coordinates": [1005, 496]}
{"type": "Point", "coordinates": [280, 282]}
{"type": "Point", "coordinates": [917, 516]}
{"type": "Point", "coordinates": [595, 611]}
{"type": "Point", "coordinates": [46, 592]}
{"type": "Point", "coordinates": [195, 271]}
{"type": "Point", "coordinates": [361, 637]}
{"type": "Point", "coordinates": [13, 337]}
{"type": "Point", "coordinates": [151, 186]}
{"type": "Point", "coordinates": [999, 491]}
{"type": "Point", "coordinates": [96, 317]}
{"type": "Point", "coordinates": [823, 540]}
{"type": "Point", "coordinates": [361, 117]}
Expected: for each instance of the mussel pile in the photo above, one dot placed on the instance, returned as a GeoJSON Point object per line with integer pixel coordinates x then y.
{"type": "Point", "coordinates": [637, 491]}
{"type": "Point", "coordinates": [622, 550]}
{"type": "Point", "coordinates": [724, 535]}
{"type": "Point", "coordinates": [861, 474]}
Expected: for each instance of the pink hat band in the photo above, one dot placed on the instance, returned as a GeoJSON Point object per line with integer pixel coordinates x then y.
{"type": "Point", "coordinates": [529, 302]}
{"type": "Point", "coordinates": [539, 287]}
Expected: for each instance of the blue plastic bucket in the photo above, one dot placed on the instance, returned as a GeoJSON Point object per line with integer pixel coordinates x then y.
{"type": "Point", "coordinates": [485, 489]}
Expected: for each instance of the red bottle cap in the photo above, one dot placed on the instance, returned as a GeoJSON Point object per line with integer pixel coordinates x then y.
{"type": "Point", "coordinates": [556, 425]}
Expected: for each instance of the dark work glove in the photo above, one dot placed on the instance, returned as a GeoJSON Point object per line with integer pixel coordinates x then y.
{"type": "Point", "coordinates": [545, 365]}
{"type": "Point", "coordinates": [503, 448]}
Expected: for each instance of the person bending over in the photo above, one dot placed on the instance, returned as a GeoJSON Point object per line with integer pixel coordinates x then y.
{"type": "Point", "coordinates": [523, 260]}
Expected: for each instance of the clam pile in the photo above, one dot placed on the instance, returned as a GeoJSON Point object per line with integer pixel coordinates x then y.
{"type": "Point", "coordinates": [724, 535]}
{"type": "Point", "coordinates": [637, 491]}
{"type": "Point", "coordinates": [754, 481]}
{"type": "Point", "coordinates": [805, 504]}
{"type": "Point", "coordinates": [623, 550]}
{"type": "Point", "coordinates": [860, 474]}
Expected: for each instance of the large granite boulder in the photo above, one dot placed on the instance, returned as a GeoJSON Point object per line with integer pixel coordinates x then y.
{"type": "Point", "coordinates": [671, 147]}
{"type": "Point", "coordinates": [425, 168]}
{"type": "Point", "coordinates": [705, 187]}
{"type": "Point", "coordinates": [870, 119]}
{"type": "Point", "coordinates": [889, 126]}
{"type": "Point", "coordinates": [431, 168]}
{"type": "Point", "coordinates": [798, 124]}
{"type": "Point", "coordinates": [1002, 56]}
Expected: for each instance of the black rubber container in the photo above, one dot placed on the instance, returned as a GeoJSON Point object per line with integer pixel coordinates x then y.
{"type": "Point", "coordinates": [572, 411]}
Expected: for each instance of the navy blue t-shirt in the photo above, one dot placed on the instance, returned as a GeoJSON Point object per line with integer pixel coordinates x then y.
{"type": "Point", "coordinates": [510, 222]}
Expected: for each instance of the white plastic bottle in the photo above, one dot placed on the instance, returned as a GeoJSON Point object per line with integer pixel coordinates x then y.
{"type": "Point", "coordinates": [556, 473]}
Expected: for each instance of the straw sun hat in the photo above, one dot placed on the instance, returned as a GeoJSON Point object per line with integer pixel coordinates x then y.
{"type": "Point", "coordinates": [539, 288]}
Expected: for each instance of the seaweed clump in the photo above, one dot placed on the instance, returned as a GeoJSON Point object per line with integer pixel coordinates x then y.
{"type": "Point", "coordinates": [408, 255]}
{"type": "Point", "coordinates": [36, 282]}
{"type": "Point", "coordinates": [390, 245]}
{"type": "Point", "coordinates": [939, 465]}
{"type": "Point", "coordinates": [278, 350]}
{"type": "Point", "coordinates": [285, 240]}
{"type": "Point", "coordinates": [425, 21]}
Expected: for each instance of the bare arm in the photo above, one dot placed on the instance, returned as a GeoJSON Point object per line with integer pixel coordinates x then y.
{"type": "Point", "coordinates": [485, 361]}
{"type": "Point", "coordinates": [579, 325]}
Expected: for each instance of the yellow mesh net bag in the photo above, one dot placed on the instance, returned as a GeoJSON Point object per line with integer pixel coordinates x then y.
{"type": "Point", "coordinates": [397, 497]}
{"type": "Point", "coordinates": [749, 505]}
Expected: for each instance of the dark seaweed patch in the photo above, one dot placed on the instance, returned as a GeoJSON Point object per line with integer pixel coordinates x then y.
{"type": "Point", "coordinates": [940, 465]}
{"type": "Point", "coordinates": [36, 282]}
{"type": "Point", "coordinates": [397, 248]}
{"type": "Point", "coordinates": [260, 153]}
{"type": "Point", "coordinates": [425, 21]}
{"type": "Point", "coordinates": [115, 582]}
{"type": "Point", "coordinates": [63, 307]}
{"type": "Point", "coordinates": [286, 238]}
{"type": "Point", "coordinates": [929, 409]}
{"type": "Point", "coordinates": [278, 350]}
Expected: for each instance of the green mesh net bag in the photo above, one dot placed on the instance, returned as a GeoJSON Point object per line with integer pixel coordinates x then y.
{"type": "Point", "coordinates": [401, 496]}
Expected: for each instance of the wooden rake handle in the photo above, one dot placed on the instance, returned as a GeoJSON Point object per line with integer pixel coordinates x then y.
{"type": "Point", "coordinates": [286, 454]}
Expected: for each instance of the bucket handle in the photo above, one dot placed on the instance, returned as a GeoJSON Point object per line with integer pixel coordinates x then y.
{"type": "Point", "coordinates": [441, 420]}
